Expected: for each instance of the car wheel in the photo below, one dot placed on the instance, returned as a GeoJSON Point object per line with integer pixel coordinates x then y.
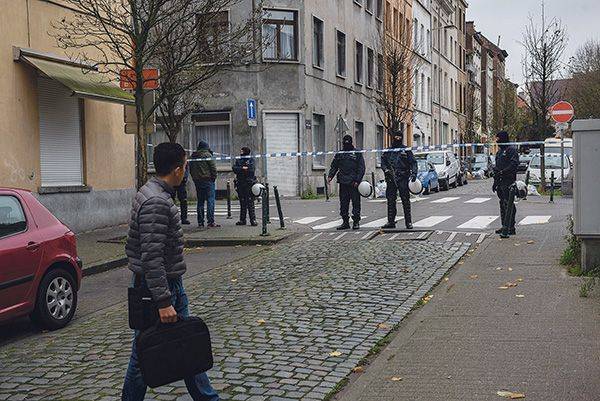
{"type": "Point", "coordinates": [426, 191]}
{"type": "Point", "coordinates": [443, 185]}
{"type": "Point", "coordinates": [56, 300]}
{"type": "Point", "coordinates": [455, 181]}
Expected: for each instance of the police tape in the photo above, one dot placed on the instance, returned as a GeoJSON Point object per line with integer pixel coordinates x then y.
{"type": "Point", "coordinates": [417, 149]}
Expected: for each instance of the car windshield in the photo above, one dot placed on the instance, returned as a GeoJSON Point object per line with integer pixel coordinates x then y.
{"type": "Point", "coordinates": [435, 158]}
{"type": "Point", "coordinates": [551, 160]}
{"type": "Point", "coordinates": [422, 164]}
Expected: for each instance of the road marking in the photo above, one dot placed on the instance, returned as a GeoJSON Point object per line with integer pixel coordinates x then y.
{"type": "Point", "coordinates": [339, 236]}
{"type": "Point", "coordinates": [445, 200]}
{"type": "Point", "coordinates": [367, 235]}
{"type": "Point", "coordinates": [529, 220]}
{"type": "Point", "coordinates": [478, 200]}
{"type": "Point", "coordinates": [431, 221]}
{"type": "Point", "coordinates": [329, 225]}
{"type": "Point", "coordinates": [416, 199]}
{"type": "Point", "coordinates": [451, 237]}
{"type": "Point", "coordinates": [478, 222]}
{"type": "Point", "coordinates": [393, 237]}
{"type": "Point", "coordinates": [314, 237]}
{"type": "Point", "coordinates": [423, 235]}
{"type": "Point", "coordinates": [481, 238]}
{"type": "Point", "coordinates": [376, 223]}
{"type": "Point", "coordinates": [468, 234]}
{"type": "Point", "coordinates": [308, 220]}
{"type": "Point", "coordinates": [377, 201]}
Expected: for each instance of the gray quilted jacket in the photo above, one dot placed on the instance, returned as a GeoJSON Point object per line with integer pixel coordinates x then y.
{"type": "Point", "coordinates": [155, 239]}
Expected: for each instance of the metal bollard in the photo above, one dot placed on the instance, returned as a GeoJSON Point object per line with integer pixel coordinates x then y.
{"type": "Point", "coordinates": [265, 213]}
{"type": "Point", "coordinates": [279, 210]}
{"type": "Point", "coordinates": [326, 187]}
{"type": "Point", "coordinates": [268, 203]}
{"type": "Point", "coordinates": [552, 187]}
{"type": "Point", "coordinates": [373, 183]}
{"type": "Point", "coordinates": [228, 199]}
{"type": "Point", "coordinates": [527, 183]}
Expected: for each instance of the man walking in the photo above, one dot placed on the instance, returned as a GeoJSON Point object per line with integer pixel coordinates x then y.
{"type": "Point", "coordinates": [244, 179]}
{"type": "Point", "coordinates": [204, 174]}
{"type": "Point", "coordinates": [155, 251]}
{"type": "Point", "coordinates": [505, 175]}
{"type": "Point", "coordinates": [399, 165]}
{"type": "Point", "coordinates": [350, 169]}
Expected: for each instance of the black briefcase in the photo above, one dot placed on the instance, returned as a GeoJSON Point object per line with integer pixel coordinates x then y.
{"type": "Point", "coordinates": [143, 312]}
{"type": "Point", "coordinates": [174, 351]}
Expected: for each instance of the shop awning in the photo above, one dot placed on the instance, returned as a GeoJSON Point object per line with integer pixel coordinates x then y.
{"type": "Point", "coordinates": [83, 80]}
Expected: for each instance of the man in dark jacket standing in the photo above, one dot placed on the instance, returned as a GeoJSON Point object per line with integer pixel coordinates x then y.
{"type": "Point", "coordinates": [204, 174]}
{"type": "Point", "coordinates": [350, 169]}
{"type": "Point", "coordinates": [155, 252]}
{"type": "Point", "coordinates": [399, 165]}
{"type": "Point", "coordinates": [181, 194]}
{"type": "Point", "coordinates": [505, 175]}
{"type": "Point", "coordinates": [244, 179]}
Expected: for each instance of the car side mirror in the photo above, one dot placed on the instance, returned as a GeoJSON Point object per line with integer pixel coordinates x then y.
{"type": "Point", "coordinates": [447, 162]}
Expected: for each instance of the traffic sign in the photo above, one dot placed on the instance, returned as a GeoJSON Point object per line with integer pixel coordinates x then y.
{"type": "Point", "coordinates": [251, 112]}
{"type": "Point", "coordinates": [151, 79]}
{"type": "Point", "coordinates": [562, 112]}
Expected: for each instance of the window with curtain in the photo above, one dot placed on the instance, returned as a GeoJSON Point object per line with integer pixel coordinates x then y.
{"type": "Point", "coordinates": [213, 33]}
{"type": "Point", "coordinates": [214, 129]}
{"type": "Point", "coordinates": [359, 135]}
{"type": "Point", "coordinates": [318, 136]}
{"type": "Point", "coordinates": [341, 53]}
{"type": "Point", "coordinates": [280, 31]}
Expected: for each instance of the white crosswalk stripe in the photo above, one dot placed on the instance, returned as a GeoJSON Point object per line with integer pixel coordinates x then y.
{"type": "Point", "coordinates": [478, 222]}
{"type": "Point", "coordinates": [445, 200]}
{"type": "Point", "coordinates": [308, 220]}
{"type": "Point", "coordinates": [529, 220]}
{"type": "Point", "coordinates": [327, 226]}
{"type": "Point", "coordinates": [478, 200]}
{"type": "Point", "coordinates": [431, 221]}
{"type": "Point", "coordinates": [375, 223]}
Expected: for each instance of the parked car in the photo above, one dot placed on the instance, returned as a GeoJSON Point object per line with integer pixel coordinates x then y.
{"type": "Point", "coordinates": [428, 176]}
{"type": "Point", "coordinates": [446, 165]}
{"type": "Point", "coordinates": [481, 162]}
{"type": "Point", "coordinates": [552, 165]}
{"type": "Point", "coordinates": [524, 159]}
{"type": "Point", "coordinates": [40, 272]}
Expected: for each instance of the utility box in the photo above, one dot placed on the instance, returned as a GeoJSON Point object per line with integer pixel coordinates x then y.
{"type": "Point", "coordinates": [586, 190]}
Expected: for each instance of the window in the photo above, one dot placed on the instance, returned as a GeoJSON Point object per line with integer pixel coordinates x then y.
{"type": "Point", "coordinates": [318, 135]}
{"type": "Point", "coordinates": [379, 9]}
{"type": "Point", "coordinates": [422, 44]}
{"type": "Point", "coordinates": [12, 218]}
{"type": "Point", "coordinates": [427, 108]}
{"type": "Point", "coordinates": [280, 31]}
{"type": "Point", "coordinates": [370, 67]}
{"type": "Point", "coordinates": [318, 59]}
{"type": "Point", "coordinates": [359, 135]}
{"type": "Point", "coordinates": [213, 128]}
{"type": "Point", "coordinates": [369, 6]}
{"type": "Point", "coordinates": [359, 63]}
{"type": "Point", "coordinates": [213, 29]}
{"type": "Point", "coordinates": [380, 72]}
{"type": "Point", "coordinates": [415, 34]}
{"type": "Point", "coordinates": [428, 44]}
{"type": "Point", "coordinates": [341, 53]}
{"type": "Point", "coordinates": [422, 89]}
{"type": "Point", "coordinates": [380, 144]}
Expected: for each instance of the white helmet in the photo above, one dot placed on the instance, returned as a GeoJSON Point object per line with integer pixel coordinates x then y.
{"type": "Point", "coordinates": [415, 187]}
{"type": "Point", "coordinates": [257, 189]}
{"type": "Point", "coordinates": [520, 191]}
{"type": "Point", "coordinates": [365, 189]}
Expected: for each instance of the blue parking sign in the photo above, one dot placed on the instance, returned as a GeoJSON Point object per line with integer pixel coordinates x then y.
{"type": "Point", "coordinates": [251, 109]}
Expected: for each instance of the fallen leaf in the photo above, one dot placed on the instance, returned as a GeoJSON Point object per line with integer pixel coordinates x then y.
{"type": "Point", "coordinates": [449, 377]}
{"type": "Point", "coordinates": [517, 244]}
{"type": "Point", "coordinates": [358, 369]}
{"type": "Point", "coordinates": [473, 276]}
{"type": "Point", "coordinates": [261, 321]}
{"type": "Point", "coordinates": [461, 263]}
{"type": "Point", "coordinates": [510, 269]}
{"type": "Point", "coordinates": [498, 268]}
{"type": "Point", "coordinates": [511, 285]}
{"type": "Point", "coordinates": [520, 280]}
{"type": "Point", "coordinates": [396, 379]}
{"type": "Point", "coordinates": [335, 353]}
{"type": "Point", "coordinates": [520, 296]}
{"type": "Point", "coordinates": [383, 326]}
{"type": "Point", "coordinates": [510, 394]}
{"type": "Point", "coordinates": [233, 280]}
{"type": "Point", "coordinates": [503, 287]}
{"type": "Point", "coordinates": [446, 279]}
{"type": "Point", "coordinates": [428, 297]}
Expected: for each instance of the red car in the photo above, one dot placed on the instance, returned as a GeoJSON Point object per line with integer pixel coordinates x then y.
{"type": "Point", "coordinates": [40, 272]}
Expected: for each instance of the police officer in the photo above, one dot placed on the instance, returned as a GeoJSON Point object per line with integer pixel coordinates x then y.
{"type": "Point", "coordinates": [244, 179]}
{"type": "Point", "coordinates": [505, 175]}
{"type": "Point", "coordinates": [350, 169]}
{"type": "Point", "coordinates": [399, 165]}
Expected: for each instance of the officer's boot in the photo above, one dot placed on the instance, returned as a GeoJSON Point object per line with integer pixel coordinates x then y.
{"type": "Point", "coordinates": [252, 213]}
{"type": "Point", "coordinates": [391, 209]}
{"type": "Point", "coordinates": [407, 217]}
{"type": "Point", "coordinates": [184, 212]}
{"type": "Point", "coordinates": [345, 225]}
{"type": "Point", "coordinates": [355, 224]}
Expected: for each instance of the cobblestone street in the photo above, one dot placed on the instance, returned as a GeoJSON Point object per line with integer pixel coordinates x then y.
{"type": "Point", "coordinates": [287, 324]}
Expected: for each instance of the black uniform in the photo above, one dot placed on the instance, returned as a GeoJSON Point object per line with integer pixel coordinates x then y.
{"type": "Point", "coordinates": [181, 194]}
{"type": "Point", "coordinates": [243, 184]}
{"type": "Point", "coordinates": [505, 174]}
{"type": "Point", "coordinates": [350, 169]}
{"type": "Point", "coordinates": [399, 166]}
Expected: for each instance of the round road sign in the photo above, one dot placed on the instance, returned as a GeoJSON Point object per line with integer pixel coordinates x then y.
{"type": "Point", "coordinates": [562, 112]}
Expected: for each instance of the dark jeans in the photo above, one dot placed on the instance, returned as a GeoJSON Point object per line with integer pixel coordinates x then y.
{"type": "Point", "coordinates": [391, 193]}
{"type": "Point", "coordinates": [508, 219]}
{"type": "Point", "coordinates": [349, 192]}
{"type": "Point", "coordinates": [134, 388]}
{"type": "Point", "coordinates": [181, 195]}
{"type": "Point", "coordinates": [206, 193]}
{"type": "Point", "coordinates": [246, 204]}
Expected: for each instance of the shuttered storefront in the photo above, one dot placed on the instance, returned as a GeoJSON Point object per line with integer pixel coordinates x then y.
{"type": "Point", "coordinates": [281, 133]}
{"type": "Point", "coordinates": [60, 135]}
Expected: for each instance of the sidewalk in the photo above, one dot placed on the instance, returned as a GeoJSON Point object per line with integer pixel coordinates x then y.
{"type": "Point", "coordinates": [104, 249]}
{"type": "Point", "coordinates": [474, 339]}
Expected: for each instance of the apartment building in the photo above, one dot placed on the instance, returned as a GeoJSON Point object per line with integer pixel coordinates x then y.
{"type": "Point", "coordinates": [474, 71]}
{"type": "Point", "coordinates": [460, 57]}
{"type": "Point", "coordinates": [423, 100]}
{"type": "Point", "coordinates": [62, 135]}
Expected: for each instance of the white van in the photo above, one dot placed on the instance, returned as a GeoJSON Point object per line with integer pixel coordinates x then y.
{"type": "Point", "coordinates": [552, 161]}
{"type": "Point", "coordinates": [446, 165]}
{"type": "Point", "coordinates": [552, 145]}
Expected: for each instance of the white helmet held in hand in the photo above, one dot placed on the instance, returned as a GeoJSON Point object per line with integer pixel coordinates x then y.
{"type": "Point", "coordinates": [365, 189]}
{"type": "Point", "coordinates": [257, 189]}
{"type": "Point", "coordinates": [520, 191]}
{"type": "Point", "coordinates": [415, 187]}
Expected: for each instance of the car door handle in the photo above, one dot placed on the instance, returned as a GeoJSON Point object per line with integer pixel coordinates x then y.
{"type": "Point", "coordinates": [32, 246]}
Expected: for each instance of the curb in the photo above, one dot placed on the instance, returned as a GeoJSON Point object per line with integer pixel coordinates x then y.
{"type": "Point", "coordinates": [104, 266]}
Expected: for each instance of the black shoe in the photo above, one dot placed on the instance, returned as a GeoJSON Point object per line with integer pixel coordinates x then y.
{"type": "Point", "coordinates": [355, 225]}
{"type": "Point", "coordinates": [388, 226]}
{"type": "Point", "coordinates": [499, 231]}
{"type": "Point", "coordinates": [201, 225]}
{"type": "Point", "coordinates": [512, 231]}
{"type": "Point", "coordinates": [186, 222]}
{"type": "Point", "coordinates": [504, 236]}
{"type": "Point", "coordinates": [253, 223]}
{"type": "Point", "coordinates": [240, 223]}
{"type": "Point", "coordinates": [345, 226]}
{"type": "Point", "coordinates": [409, 226]}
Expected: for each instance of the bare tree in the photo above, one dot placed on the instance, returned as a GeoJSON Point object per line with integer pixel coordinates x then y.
{"type": "Point", "coordinates": [398, 62]}
{"type": "Point", "coordinates": [544, 43]}
{"type": "Point", "coordinates": [584, 86]}
{"type": "Point", "coordinates": [472, 122]}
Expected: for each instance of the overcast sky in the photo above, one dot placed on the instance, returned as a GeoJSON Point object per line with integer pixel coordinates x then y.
{"type": "Point", "coordinates": [507, 18]}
